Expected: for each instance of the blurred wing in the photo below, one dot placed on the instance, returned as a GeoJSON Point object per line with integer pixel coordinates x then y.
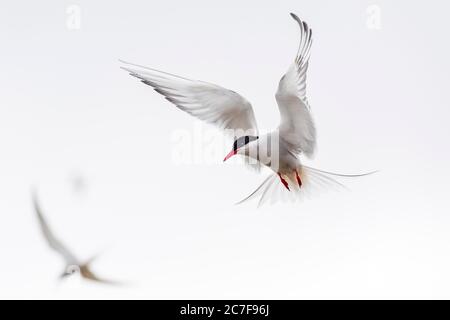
{"type": "Point", "coordinates": [88, 274]}
{"type": "Point", "coordinates": [205, 101]}
{"type": "Point", "coordinates": [52, 241]}
{"type": "Point", "coordinates": [297, 127]}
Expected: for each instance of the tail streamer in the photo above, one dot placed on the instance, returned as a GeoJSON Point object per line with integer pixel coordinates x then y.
{"type": "Point", "coordinates": [313, 181]}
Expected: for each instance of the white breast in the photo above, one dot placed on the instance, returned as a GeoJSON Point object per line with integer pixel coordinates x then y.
{"type": "Point", "coordinates": [270, 151]}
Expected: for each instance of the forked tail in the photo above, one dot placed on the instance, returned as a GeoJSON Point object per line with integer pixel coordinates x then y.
{"type": "Point", "coordinates": [311, 181]}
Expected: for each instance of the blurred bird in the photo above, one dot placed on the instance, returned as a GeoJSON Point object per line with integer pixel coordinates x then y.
{"type": "Point", "coordinates": [279, 149]}
{"type": "Point", "coordinates": [72, 264]}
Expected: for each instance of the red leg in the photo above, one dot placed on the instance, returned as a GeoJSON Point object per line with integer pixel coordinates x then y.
{"type": "Point", "coordinates": [299, 181]}
{"type": "Point", "coordinates": [284, 182]}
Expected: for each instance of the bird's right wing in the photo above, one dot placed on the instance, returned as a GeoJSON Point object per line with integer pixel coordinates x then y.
{"type": "Point", "coordinates": [52, 241]}
{"type": "Point", "coordinates": [88, 274]}
{"type": "Point", "coordinates": [205, 101]}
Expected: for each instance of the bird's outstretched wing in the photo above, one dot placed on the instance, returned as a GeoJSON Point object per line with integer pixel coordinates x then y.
{"type": "Point", "coordinates": [297, 127]}
{"type": "Point", "coordinates": [52, 241]}
{"type": "Point", "coordinates": [88, 274]}
{"type": "Point", "coordinates": [208, 102]}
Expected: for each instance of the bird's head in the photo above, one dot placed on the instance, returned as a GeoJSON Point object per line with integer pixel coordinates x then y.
{"type": "Point", "coordinates": [69, 270]}
{"type": "Point", "coordinates": [239, 145]}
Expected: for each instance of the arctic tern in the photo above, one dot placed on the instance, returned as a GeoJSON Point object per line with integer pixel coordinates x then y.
{"type": "Point", "coordinates": [280, 149]}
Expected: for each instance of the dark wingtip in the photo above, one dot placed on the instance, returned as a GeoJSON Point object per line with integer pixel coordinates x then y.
{"type": "Point", "coordinates": [34, 195]}
{"type": "Point", "coordinates": [294, 16]}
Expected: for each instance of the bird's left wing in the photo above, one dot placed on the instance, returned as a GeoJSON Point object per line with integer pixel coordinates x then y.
{"type": "Point", "coordinates": [297, 128]}
{"type": "Point", "coordinates": [52, 241]}
{"type": "Point", "coordinates": [205, 101]}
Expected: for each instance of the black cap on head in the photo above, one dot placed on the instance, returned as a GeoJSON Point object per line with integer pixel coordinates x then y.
{"type": "Point", "coordinates": [242, 141]}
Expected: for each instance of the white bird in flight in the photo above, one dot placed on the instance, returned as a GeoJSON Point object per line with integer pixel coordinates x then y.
{"type": "Point", "coordinates": [279, 149]}
{"type": "Point", "coordinates": [72, 264]}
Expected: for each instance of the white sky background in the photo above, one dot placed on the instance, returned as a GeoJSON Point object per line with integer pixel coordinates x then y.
{"type": "Point", "coordinates": [67, 112]}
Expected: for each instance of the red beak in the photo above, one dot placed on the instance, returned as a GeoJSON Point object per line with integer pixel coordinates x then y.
{"type": "Point", "coordinates": [232, 153]}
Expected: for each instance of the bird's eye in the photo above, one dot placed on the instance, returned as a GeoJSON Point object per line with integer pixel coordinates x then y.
{"type": "Point", "coordinates": [72, 269]}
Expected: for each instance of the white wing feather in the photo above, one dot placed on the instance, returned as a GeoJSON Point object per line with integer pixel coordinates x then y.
{"type": "Point", "coordinates": [297, 127]}
{"type": "Point", "coordinates": [205, 101]}
{"type": "Point", "coordinates": [52, 241]}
